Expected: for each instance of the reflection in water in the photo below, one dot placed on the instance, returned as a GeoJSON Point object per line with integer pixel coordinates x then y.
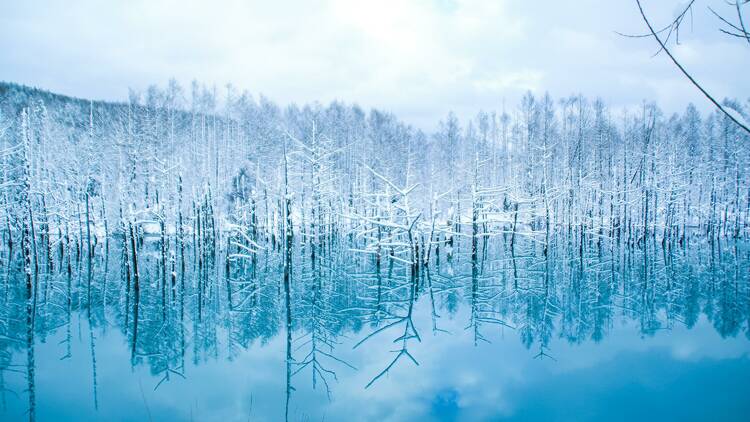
{"type": "Point", "coordinates": [346, 319]}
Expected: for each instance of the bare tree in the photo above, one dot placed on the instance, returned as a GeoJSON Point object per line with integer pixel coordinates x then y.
{"type": "Point", "coordinates": [672, 30]}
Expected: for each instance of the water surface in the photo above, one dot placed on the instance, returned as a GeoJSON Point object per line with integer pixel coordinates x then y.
{"type": "Point", "coordinates": [615, 334]}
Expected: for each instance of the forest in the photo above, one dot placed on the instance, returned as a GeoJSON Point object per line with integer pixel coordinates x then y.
{"type": "Point", "coordinates": [248, 173]}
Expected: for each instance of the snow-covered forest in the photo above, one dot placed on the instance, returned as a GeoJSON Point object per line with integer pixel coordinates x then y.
{"type": "Point", "coordinates": [241, 173]}
{"type": "Point", "coordinates": [230, 176]}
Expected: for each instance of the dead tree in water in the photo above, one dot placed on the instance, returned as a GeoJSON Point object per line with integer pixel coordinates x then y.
{"type": "Point", "coordinates": [136, 285]}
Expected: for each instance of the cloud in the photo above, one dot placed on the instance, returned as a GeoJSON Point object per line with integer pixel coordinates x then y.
{"type": "Point", "coordinates": [418, 58]}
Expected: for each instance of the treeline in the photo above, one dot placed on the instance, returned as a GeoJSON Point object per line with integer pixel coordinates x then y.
{"type": "Point", "coordinates": [231, 172]}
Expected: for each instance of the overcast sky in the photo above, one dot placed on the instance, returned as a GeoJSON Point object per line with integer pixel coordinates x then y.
{"type": "Point", "coordinates": [418, 59]}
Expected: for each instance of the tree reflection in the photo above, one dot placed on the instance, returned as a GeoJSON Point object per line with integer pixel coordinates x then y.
{"type": "Point", "coordinates": [320, 301]}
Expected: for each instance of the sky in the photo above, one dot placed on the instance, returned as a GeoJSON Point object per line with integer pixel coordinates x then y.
{"type": "Point", "coordinates": [418, 59]}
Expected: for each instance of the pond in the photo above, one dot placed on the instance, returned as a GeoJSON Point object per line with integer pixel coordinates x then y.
{"type": "Point", "coordinates": [605, 332]}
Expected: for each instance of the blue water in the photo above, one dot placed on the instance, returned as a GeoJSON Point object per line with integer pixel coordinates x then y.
{"type": "Point", "coordinates": [617, 335]}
